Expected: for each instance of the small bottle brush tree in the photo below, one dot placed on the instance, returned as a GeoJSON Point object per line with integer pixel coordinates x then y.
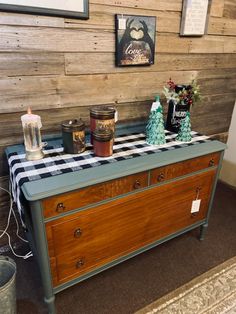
{"type": "Point", "coordinates": [184, 134]}
{"type": "Point", "coordinates": [155, 130]}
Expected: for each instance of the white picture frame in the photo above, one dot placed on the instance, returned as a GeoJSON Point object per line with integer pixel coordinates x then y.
{"type": "Point", "coordinates": [195, 16]}
{"type": "Point", "coordinates": [63, 8]}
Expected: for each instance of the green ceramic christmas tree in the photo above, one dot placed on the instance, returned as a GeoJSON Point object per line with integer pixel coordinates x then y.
{"type": "Point", "coordinates": [184, 134]}
{"type": "Point", "coordinates": [155, 130]}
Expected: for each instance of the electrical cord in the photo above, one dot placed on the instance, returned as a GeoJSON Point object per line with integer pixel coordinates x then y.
{"type": "Point", "coordinates": [4, 232]}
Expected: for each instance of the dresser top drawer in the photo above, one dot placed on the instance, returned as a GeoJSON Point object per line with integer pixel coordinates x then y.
{"type": "Point", "coordinates": [182, 168]}
{"type": "Point", "coordinates": [56, 205]}
{"type": "Point", "coordinates": [93, 194]}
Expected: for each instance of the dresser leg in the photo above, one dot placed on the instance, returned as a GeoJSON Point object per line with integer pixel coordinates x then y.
{"type": "Point", "coordinates": [50, 304]}
{"type": "Point", "coordinates": [203, 231]}
{"type": "Point", "coordinates": [40, 243]}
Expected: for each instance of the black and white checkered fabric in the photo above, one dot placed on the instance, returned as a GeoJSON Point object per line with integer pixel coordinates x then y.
{"type": "Point", "coordinates": [56, 162]}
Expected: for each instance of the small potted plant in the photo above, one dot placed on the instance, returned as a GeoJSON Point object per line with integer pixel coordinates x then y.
{"type": "Point", "coordinates": [180, 99]}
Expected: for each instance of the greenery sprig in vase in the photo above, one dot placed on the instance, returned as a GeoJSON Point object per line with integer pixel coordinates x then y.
{"type": "Point", "coordinates": [182, 94]}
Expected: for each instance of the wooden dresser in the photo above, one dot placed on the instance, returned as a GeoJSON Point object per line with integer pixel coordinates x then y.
{"type": "Point", "coordinates": [84, 222]}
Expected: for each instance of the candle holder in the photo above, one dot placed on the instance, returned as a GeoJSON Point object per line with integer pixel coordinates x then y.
{"type": "Point", "coordinates": [32, 137]}
{"type": "Point", "coordinates": [102, 117]}
{"type": "Point", "coordinates": [73, 136]}
{"type": "Point", "coordinates": [103, 142]}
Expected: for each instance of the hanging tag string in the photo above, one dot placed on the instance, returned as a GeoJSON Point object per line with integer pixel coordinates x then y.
{"type": "Point", "coordinates": [198, 192]}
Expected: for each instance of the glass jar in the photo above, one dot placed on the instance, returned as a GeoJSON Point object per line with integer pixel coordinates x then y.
{"type": "Point", "coordinates": [102, 117]}
{"type": "Point", "coordinates": [103, 142]}
{"type": "Point", "coordinates": [73, 136]}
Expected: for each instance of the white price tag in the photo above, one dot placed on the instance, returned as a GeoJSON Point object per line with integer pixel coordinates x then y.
{"type": "Point", "coordinates": [195, 206]}
{"type": "Point", "coordinates": [122, 23]}
{"type": "Point", "coordinates": [116, 116]}
{"type": "Point", "coordinates": [189, 3]}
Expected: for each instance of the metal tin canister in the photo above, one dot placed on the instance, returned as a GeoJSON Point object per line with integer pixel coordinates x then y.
{"type": "Point", "coordinates": [102, 117]}
{"type": "Point", "coordinates": [73, 136]}
{"type": "Point", "coordinates": [103, 142]}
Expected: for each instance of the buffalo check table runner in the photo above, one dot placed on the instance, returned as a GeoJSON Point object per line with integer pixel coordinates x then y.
{"type": "Point", "coordinates": [56, 162]}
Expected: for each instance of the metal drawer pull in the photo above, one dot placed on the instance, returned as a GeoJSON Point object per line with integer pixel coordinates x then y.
{"type": "Point", "coordinates": [60, 207]}
{"type": "Point", "coordinates": [137, 184]}
{"type": "Point", "coordinates": [161, 177]}
{"type": "Point", "coordinates": [212, 162]}
{"type": "Point", "coordinates": [78, 233]}
{"type": "Point", "coordinates": [194, 215]}
{"type": "Point", "coordinates": [80, 263]}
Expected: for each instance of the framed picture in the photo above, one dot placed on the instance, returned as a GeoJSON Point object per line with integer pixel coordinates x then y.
{"type": "Point", "coordinates": [195, 16]}
{"type": "Point", "coordinates": [67, 8]}
{"type": "Point", "coordinates": [135, 40]}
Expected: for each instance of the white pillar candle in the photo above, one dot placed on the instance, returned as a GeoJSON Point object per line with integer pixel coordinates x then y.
{"type": "Point", "coordinates": [31, 127]}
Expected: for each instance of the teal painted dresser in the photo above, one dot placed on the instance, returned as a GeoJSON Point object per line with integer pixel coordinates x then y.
{"type": "Point", "coordinates": [83, 222]}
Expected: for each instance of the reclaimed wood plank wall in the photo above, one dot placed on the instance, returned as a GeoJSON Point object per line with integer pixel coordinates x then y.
{"type": "Point", "coordinates": [59, 67]}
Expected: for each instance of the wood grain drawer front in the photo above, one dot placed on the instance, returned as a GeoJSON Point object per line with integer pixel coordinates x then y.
{"type": "Point", "coordinates": [101, 234]}
{"type": "Point", "coordinates": [183, 168]}
{"type": "Point", "coordinates": [93, 194]}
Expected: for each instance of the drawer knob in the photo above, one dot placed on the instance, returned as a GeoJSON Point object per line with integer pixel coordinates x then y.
{"type": "Point", "coordinates": [137, 184]}
{"type": "Point", "coordinates": [161, 177]}
{"type": "Point", "coordinates": [194, 215]}
{"type": "Point", "coordinates": [212, 163]}
{"type": "Point", "coordinates": [78, 233]}
{"type": "Point", "coordinates": [60, 207]}
{"type": "Point", "coordinates": [80, 263]}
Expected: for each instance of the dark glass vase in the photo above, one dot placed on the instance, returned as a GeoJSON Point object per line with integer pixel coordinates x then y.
{"type": "Point", "coordinates": [176, 112]}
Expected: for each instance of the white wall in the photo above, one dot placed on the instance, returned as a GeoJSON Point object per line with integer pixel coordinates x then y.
{"type": "Point", "coordinates": [228, 171]}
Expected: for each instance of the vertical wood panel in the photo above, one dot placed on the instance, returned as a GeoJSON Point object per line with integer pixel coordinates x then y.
{"type": "Point", "coordinates": [30, 20]}
{"type": "Point", "coordinates": [22, 64]}
{"type": "Point", "coordinates": [75, 40]}
{"type": "Point", "coordinates": [83, 63]}
{"type": "Point", "coordinates": [69, 91]}
{"type": "Point", "coordinates": [41, 39]}
{"type": "Point", "coordinates": [222, 26]}
{"type": "Point", "coordinates": [229, 9]}
{"type": "Point", "coordinates": [103, 16]}
{"type": "Point", "coordinates": [217, 8]}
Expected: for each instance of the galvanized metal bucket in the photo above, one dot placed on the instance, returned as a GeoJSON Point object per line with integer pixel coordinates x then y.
{"type": "Point", "coordinates": [7, 285]}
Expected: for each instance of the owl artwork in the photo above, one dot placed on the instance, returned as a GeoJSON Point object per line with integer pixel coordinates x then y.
{"type": "Point", "coordinates": [135, 40]}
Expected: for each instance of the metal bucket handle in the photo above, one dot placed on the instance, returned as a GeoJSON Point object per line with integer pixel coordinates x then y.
{"type": "Point", "coordinates": [6, 258]}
